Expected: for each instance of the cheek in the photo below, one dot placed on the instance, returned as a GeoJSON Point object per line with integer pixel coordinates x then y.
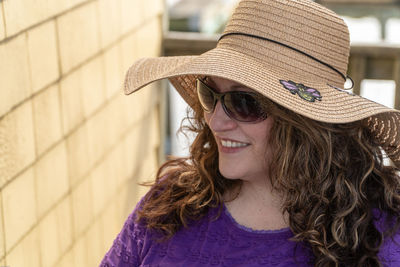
{"type": "Point", "coordinates": [262, 135]}
{"type": "Point", "coordinates": [262, 130]}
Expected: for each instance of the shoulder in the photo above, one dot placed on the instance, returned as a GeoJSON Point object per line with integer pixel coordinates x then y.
{"type": "Point", "coordinates": [389, 253]}
{"type": "Point", "coordinates": [130, 243]}
{"type": "Point", "coordinates": [390, 250]}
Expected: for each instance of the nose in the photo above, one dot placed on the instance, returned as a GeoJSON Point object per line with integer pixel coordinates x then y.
{"type": "Point", "coordinates": [218, 120]}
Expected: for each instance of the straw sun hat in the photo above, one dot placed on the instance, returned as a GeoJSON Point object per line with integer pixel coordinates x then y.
{"type": "Point", "coordinates": [294, 52]}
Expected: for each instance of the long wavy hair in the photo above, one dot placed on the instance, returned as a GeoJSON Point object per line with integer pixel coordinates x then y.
{"type": "Point", "coordinates": [332, 177]}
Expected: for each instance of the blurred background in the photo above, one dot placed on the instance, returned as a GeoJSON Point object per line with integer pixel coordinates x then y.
{"type": "Point", "coordinates": [73, 148]}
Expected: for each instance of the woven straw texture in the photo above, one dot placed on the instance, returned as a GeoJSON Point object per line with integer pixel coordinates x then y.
{"type": "Point", "coordinates": [386, 130]}
{"type": "Point", "coordinates": [310, 46]}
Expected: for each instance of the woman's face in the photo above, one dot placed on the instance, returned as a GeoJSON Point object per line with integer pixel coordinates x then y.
{"type": "Point", "coordinates": [242, 147]}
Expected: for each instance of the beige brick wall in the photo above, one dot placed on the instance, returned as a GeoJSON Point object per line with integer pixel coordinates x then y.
{"type": "Point", "coordinates": [72, 146]}
{"type": "Point", "coordinates": [14, 72]}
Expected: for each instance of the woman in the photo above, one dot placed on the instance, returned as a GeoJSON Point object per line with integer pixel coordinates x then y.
{"type": "Point", "coordinates": [287, 168]}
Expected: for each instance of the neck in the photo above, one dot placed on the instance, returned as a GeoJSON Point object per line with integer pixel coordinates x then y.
{"type": "Point", "coordinates": [257, 206]}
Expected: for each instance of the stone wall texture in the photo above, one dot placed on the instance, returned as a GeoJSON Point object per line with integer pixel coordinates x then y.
{"type": "Point", "coordinates": [73, 148]}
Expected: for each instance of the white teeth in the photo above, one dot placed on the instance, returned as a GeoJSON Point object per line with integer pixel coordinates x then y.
{"type": "Point", "coordinates": [227, 143]}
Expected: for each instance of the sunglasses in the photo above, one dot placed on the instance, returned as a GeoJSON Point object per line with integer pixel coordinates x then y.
{"type": "Point", "coordinates": [238, 105]}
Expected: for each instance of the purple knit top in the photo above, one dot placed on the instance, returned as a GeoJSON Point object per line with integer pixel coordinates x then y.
{"type": "Point", "coordinates": [218, 241]}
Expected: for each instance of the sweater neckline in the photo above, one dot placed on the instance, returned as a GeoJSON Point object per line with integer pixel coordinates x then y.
{"type": "Point", "coordinates": [246, 229]}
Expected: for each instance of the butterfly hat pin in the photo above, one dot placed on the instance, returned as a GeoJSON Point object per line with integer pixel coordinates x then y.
{"type": "Point", "coordinates": [306, 93]}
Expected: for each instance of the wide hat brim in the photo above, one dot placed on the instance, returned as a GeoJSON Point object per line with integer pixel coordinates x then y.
{"type": "Point", "coordinates": [336, 105]}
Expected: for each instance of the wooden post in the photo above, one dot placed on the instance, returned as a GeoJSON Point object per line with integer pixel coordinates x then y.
{"type": "Point", "coordinates": [357, 70]}
{"type": "Point", "coordinates": [396, 77]}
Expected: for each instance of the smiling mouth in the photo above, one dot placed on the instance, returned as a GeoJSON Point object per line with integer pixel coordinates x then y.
{"type": "Point", "coordinates": [232, 144]}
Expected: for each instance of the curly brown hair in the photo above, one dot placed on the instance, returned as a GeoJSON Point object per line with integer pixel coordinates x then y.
{"type": "Point", "coordinates": [332, 177]}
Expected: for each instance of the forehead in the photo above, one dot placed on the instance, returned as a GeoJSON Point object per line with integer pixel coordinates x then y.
{"type": "Point", "coordinates": [225, 85]}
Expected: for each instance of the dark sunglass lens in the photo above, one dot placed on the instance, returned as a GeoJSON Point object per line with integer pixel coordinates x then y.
{"type": "Point", "coordinates": [244, 107]}
{"type": "Point", "coordinates": [206, 97]}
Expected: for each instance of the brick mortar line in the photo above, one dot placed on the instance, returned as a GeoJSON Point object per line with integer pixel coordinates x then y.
{"type": "Point", "coordinates": [103, 52]}
{"type": "Point", "coordinates": [36, 152]}
{"type": "Point", "coordinates": [72, 188]}
{"type": "Point", "coordinates": [31, 90]}
{"type": "Point", "coordinates": [4, 19]}
{"type": "Point", "coordinates": [99, 53]}
{"type": "Point", "coordinates": [37, 24]}
{"type": "Point", "coordinates": [59, 95]}
{"type": "Point", "coordinates": [3, 244]}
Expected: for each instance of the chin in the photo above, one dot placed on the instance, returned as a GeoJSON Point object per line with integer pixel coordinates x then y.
{"type": "Point", "coordinates": [230, 174]}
